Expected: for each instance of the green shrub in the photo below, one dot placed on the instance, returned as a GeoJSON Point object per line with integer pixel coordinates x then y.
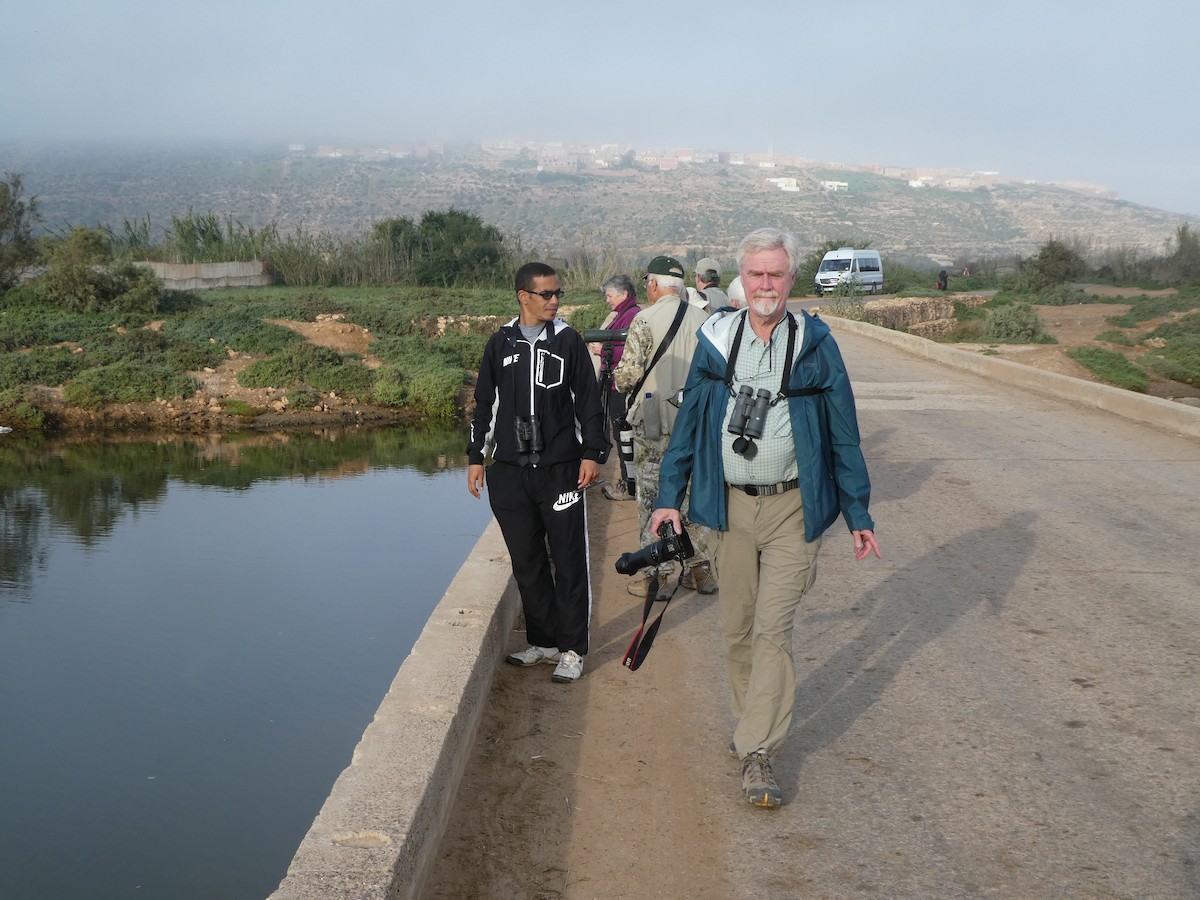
{"type": "Point", "coordinates": [590, 316]}
{"type": "Point", "coordinates": [1179, 360]}
{"type": "Point", "coordinates": [19, 409]}
{"type": "Point", "coordinates": [1063, 295]}
{"type": "Point", "coordinates": [1111, 366]}
{"type": "Point", "coordinates": [462, 350]}
{"type": "Point", "coordinates": [1144, 307]}
{"type": "Point", "coordinates": [50, 366]}
{"type": "Point", "coordinates": [241, 409]}
{"type": "Point", "coordinates": [1113, 336]}
{"type": "Point", "coordinates": [1176, 362]}
{"type": "Point", "coordinates": [25, 327]}
{"type": "Point", "coordinates": [305, 364]}
{"type": "Point", "coordinates": [967, 332]}
{"type": "Point", "coordinates": [424, 374]}
{"type": "Point", "coordinates": [240, 328]}
{"type": "Point", "coordinates": [302, 397]}
{"type": "Point", "coordinates": [149, 346]}
{"type": "Point", "coordinates": [127, 381]}
{"type": "Point", "coordinates": [1015, 324]}
{"type": "Point", "coordinates": [429, 389]}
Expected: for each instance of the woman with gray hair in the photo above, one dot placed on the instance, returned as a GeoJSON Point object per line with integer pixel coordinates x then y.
{"type": "Point", "coordinates": [621, 296]}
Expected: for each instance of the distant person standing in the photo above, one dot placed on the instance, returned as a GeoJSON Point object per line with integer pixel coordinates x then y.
{"type": "Point", "coordinates": [621, 295]}
{"type": "Point", "coordinates": [708, 281]}
{"type": "Point", "coordinates": [537, 410]}
{"type": "Point", "coordinates": [943, 280]}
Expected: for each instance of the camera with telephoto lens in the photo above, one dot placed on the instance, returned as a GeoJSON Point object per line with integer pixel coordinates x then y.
{"type": "Point", "coordinates": [748, 419]}
{"type": "Point", "coordinates": [529, 440]}
{"type": "Point", "coordinates": [672, 546]}
{"type": "Point", "coordinates": [604, 335]}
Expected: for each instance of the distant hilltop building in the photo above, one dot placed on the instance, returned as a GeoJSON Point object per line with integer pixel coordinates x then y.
{"type": "Point", "coordinates": [785, 184]}
{"type": "Point", "coordinates": [833, 186]}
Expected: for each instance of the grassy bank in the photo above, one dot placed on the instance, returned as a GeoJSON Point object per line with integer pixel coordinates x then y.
{"type": "Point", "coordinates": [426, 343]}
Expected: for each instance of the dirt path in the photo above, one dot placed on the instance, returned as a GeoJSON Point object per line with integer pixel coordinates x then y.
{"type": "Point", "coordinates": [536, 815]}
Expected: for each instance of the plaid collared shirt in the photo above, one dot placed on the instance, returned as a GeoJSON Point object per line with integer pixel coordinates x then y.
{"type": "Point", "coordinates": [760, 364]}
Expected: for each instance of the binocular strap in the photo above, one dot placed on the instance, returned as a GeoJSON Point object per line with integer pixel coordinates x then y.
{"type": "Point", "coordinates": [643, 640]}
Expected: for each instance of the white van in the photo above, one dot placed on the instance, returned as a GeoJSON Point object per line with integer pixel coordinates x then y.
{"type": "Point", "coordinates": [863, 268]}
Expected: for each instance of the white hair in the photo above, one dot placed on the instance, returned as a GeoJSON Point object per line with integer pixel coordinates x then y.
{"type": "Point", "coordinates": [736, 293]}
{"type": "Point", "coordinates": [670, 284]}
{"type": "Point", "coordinates": [771, 239]}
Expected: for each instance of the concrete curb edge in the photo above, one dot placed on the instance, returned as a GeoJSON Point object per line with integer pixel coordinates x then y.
{"type": "Point", "coordinates": [1166, 414]}
{"type": "Point", "coordinates": [378, 833]}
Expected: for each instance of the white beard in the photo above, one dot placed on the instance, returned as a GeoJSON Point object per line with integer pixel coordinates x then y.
{"type": "Point", "coordinates": [765, 306]}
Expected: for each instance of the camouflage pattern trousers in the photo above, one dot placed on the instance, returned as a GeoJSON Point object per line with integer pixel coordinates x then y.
{"type": "Point", "coordinates": [647, 460]}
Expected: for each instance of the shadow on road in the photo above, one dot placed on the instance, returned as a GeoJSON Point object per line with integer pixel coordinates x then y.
{"type": "Point", "coordinates": [906, 612]}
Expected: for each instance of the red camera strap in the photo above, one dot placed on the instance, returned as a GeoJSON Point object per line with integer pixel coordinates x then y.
{"type": "Point", "coordinates": [643, 640]}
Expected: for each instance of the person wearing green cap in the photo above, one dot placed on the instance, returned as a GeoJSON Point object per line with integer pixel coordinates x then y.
{"type": "Point", "coordinates": [653, 369]}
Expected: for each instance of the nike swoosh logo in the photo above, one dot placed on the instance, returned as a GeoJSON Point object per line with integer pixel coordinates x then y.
{"type": "Point", "coordinates": [565, 501]}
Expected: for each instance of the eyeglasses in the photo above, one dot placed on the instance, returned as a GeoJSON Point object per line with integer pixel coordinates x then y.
{"type": "Point", "coordinates": [547, 296]}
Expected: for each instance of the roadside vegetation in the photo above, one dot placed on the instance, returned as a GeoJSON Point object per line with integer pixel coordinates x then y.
{"type": "Point", "coordinates": [80, 320]}
{"type": "Point", "coordinates": [1052, 277]}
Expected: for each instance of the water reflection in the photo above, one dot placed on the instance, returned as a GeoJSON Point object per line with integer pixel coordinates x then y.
{"type": "Point", "coordinates": [86, 486]}
{"type": "Point", "coordinates": [193, 635]}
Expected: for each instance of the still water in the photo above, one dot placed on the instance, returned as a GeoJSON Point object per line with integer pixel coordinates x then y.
{"type": "Point", "coordinates": [194, 634]}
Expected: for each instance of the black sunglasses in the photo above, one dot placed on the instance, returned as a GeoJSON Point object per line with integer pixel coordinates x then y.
{"type": "Point", "coordinates": [548, 295]}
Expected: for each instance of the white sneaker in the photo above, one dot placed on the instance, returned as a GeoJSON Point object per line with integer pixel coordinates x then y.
{"type": "Point", "coordinates": [531, 656]}
{"type": "Point", "coordinates": [569, 668]}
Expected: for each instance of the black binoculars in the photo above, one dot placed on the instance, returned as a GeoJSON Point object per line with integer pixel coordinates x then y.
{"type": "Point", "coordinates": [529, 440]}
{"type": "Point", "coordinates": [748, 419]}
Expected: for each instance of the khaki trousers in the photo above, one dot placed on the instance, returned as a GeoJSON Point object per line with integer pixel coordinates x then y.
{"type": "Point", "coordinates": [764, 566]}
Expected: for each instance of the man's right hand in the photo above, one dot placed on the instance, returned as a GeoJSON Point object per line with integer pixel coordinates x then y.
{"type": "Point", "coordinates": [474, 480]}
{"type": "Point", "coordinates": [665, 515]}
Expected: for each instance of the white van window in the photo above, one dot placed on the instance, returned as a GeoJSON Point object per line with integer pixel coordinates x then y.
{"type": "Point", "coordinates": [869, 264]}
{"type": "Point", "coordinates": [834, 265]}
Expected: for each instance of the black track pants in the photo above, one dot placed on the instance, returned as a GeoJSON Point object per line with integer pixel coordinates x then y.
{"type": "Point", "coordinates": [543, 516]}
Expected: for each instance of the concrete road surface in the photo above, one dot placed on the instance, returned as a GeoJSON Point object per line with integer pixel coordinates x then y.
{"type": "Point", "coordinates": [1007, 705]}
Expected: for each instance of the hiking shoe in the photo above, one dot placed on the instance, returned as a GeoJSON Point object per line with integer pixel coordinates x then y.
{"type": "Point", "coordinates": [699, 578]}
{"type": "Point", "coordinates": [758, 781]}
{"type": "Point", "coordinates": [569, 668]}
{"type": "Point", "coordinates": [666, 586]}
{"type": "Point", "coordinates": [531, 656]}
{"type": "Point", "coordinates": [733, 750]}
{"type": "Point", "coordinates": [617, 491]}
{"type": "Point", "coordinates": [641, 583]}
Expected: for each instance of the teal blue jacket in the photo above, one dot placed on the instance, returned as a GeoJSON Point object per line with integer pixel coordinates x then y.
{"type": "Point", "coordinates": [832, 471]}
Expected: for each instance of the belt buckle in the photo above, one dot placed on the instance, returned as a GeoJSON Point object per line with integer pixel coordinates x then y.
{"type": "Point", "coordinates": [750, 489]}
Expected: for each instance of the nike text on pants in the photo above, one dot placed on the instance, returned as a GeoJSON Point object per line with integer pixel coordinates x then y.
{"type": "Point", "coordinates": [543, 517]}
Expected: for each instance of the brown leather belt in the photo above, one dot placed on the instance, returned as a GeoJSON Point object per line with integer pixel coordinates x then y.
{"type": "Point", "coordinates": [767, 490]}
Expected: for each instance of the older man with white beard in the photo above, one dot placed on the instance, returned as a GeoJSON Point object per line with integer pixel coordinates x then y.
{"type": "Point", "coordinates": [768, 437]}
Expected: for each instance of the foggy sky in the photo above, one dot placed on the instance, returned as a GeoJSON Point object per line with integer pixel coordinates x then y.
{"type": "Point", "coordinates": [1052, 90]}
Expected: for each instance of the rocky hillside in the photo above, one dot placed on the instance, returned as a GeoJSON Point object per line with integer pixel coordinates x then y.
{"type": "Point", "coordinates": [705, 208]}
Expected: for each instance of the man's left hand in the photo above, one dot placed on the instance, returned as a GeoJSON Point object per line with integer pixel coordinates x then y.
{"type": "Point", "coordinates": [864, 543]}
{"type": "Point", "coordinates": [589, 470]}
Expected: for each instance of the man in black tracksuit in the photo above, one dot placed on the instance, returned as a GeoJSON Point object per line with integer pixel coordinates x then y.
{"type": "Point", "coordinates": [537, 406]}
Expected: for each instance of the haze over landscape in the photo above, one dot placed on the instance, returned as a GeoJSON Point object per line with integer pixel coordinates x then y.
{"type": "Point", "coordinates": [1053, 92]}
